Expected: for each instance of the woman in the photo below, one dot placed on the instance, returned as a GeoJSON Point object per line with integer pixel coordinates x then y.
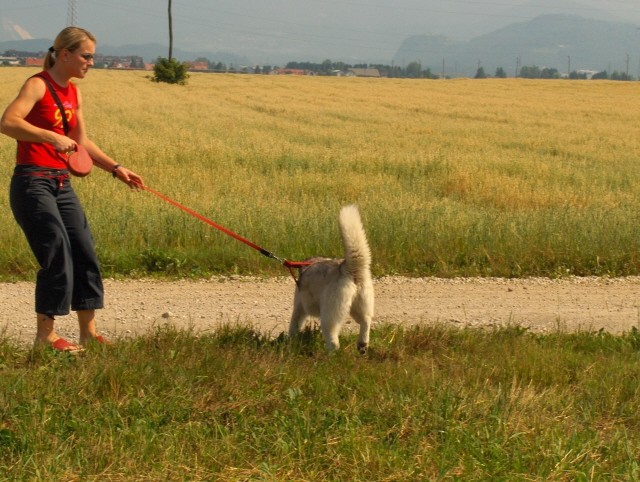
{"type": "Point", "coordinates": [42, 199]}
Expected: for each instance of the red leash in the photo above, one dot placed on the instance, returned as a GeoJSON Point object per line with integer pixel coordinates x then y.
{"type": "Point", "coordinates": [291, 265]}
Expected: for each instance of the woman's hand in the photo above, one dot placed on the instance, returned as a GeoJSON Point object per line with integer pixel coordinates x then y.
{"type": "Point", "coordinates": [129, 177]}
{"type": "Point", "coordinates": [63, 143]}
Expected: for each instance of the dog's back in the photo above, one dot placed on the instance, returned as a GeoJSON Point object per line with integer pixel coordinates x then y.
{"type": "Point", "coordinates": [331, 289]}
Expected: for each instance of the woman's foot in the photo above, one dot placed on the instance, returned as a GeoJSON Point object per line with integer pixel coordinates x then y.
{"type": "Point", "coordinates": [60, 344]}
{"type": "Point", "coordinates": [99, 339]}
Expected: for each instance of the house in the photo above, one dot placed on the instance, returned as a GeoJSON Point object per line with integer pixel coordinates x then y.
{"type": "Point", "coordinates": [9, 61]}
{"type": "Point", "coordinates": [588, 73]}
{"type": "Point", "coordinates": [289, 72]}
{"type": "Point", "coordinates": [362, 73]}
{"type": "Point", "coordinates": [33, 62]}
{"type": "Point", "coordinates": [199, 66]}
{"type": "Point", "coordinates": [119, 62]}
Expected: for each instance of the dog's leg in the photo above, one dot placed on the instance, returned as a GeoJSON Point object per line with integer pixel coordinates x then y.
{"type": "Point", "coordinates": [333, 311]}
{"type": "Point", "coordinates": [362, 312]}
{"type": "Point", "coordinates": [330, 330]}
{"type": "Point", "coordinates": [297, 317]}
{"type": "Point", "coordinates": [365, 326]}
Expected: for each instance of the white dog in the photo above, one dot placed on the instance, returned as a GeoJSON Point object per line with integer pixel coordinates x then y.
{"type": "Point", "coordinates": [331, 289]}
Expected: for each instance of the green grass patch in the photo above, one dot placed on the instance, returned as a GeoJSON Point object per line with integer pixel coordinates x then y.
{"type": "Point", "coordinates": [426, 403]}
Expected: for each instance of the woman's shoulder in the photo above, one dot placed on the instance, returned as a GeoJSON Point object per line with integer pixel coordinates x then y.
{"type": "Point", "coordinates": [34, 86]}
{"type": "Point", "coordinates": [42, 76]}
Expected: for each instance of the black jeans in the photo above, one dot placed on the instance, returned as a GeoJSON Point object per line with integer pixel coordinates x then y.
{"type": "Point", "coordinates": [47, 209]}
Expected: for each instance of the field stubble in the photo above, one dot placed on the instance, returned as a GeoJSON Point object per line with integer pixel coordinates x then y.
{"type": "Point", "coordinates": [453, 178]}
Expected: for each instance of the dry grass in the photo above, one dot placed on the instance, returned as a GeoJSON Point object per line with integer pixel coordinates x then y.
{"type": "Point", "coordinates": [475, 177]}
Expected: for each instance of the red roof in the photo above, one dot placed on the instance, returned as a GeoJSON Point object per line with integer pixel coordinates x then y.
{"type": "Point", "coordinates": [33, 62]}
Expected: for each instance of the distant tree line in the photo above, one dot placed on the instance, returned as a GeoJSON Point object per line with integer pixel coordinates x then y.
{"type": "Point", "coordinates": [413, 70]}
{"type": "Point", "coordinates": [535, 72]}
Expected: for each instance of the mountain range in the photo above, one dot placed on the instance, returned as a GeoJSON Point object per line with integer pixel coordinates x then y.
{"type": "Point", "coordinates": [564, 42]}
{"type": "Point", "coordinates": [561, 41]}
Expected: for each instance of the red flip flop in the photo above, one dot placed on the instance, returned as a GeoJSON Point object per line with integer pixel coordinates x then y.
{"type": "Point", "coordinates": [100, 340]}
{"type": "Point", "coordinates": [63, 345]}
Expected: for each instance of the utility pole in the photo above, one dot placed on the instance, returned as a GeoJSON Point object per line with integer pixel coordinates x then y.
{"type": "Point", "coordinates": [638, 30]}
{"type": "Point", "coordinates": [170, 32]}
{"type": "Point", "coordinates": [627, 70]}
{"type": "Point", "coordinates": [72, 13]}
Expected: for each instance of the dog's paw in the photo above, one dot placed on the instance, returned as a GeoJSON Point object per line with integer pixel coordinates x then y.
{"type": "Point", "coordinates": [362, 348]}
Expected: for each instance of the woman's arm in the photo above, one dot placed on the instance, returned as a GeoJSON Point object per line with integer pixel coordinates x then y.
{"type": "Point", "coordinates": [13, 123]}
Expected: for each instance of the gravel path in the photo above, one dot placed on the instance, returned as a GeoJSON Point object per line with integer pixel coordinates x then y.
{"type": "Point", "coordinates": [134, 307]}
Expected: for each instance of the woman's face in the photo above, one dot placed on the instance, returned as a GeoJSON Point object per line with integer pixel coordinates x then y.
{"type": "Point", "coordinates": [80, 60]}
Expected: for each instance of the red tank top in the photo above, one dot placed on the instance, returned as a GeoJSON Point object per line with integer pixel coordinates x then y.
{"type": "Point", "coordinates": [46, 115]}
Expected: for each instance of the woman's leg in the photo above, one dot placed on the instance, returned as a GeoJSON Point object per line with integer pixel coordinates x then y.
{"type": "Point", "coordinates": [45, 329]}
{"type": "Point", "coordinates": [87, 325]}
{"type": "Point", "coordinates": [88, 292]}
{"type": "Point", "coordinates": [33, 202]}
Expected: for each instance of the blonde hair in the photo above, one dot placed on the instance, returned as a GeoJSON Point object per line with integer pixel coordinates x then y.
{"type": "Point", "coordinates": [69, 38]}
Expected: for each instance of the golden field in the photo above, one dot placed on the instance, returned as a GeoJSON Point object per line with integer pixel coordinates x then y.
{"type": "Point", "coordinates": [496, 177]}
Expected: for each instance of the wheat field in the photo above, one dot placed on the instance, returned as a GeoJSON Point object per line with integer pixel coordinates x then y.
{"type": "Point", "coordinates": [496, 177]}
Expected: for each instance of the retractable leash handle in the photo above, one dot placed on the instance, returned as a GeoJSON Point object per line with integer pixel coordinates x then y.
{"type": "Point", "coordinates": [288, 264]}
{"type": "Point", "coordinates": [79, 162]}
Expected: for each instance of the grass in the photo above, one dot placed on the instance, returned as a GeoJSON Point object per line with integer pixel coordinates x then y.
{"type": "Point", "coordinates": [426, 403]}
{"type": "Point", "coordinates": [454, 178]}
{"type": "Point", "coordinates": [465, 177]}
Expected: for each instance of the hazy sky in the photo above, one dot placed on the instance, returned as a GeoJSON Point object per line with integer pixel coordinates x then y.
{"type": "Point", "coordinates": [335, 28]}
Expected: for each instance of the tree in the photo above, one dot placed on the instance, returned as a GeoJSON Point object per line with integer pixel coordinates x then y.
{"type": "Point", "coordinates": [414, 70]}
{"type": "Point", "coordinates": [427, 74]}
{"type": "Point", "coordinates": [137, 62]}
{"type": "Point", "coordinates": [326, 66]}
{"type": "Point", "coordinates": [530, 72]}
{"type": "Point", "coordinates": [340, 66]}
{"type": "Point", "coordinates": [480, 74]}
{"type": "Point", "coordinates": [620, 76]}
{"type": "Point", "coordinates": [500, 73]}
{"type": "Point", "coordinates": [549, 73]}
{"type": "Point", "coordinates": [169, 70]}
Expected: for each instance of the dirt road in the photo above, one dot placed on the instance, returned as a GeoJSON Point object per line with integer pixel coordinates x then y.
{"type": "Point", "coordinates": [133, 307]}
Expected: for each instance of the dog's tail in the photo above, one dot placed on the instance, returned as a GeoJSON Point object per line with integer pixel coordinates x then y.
{"type": "Point", "coordinates": [357, 254]}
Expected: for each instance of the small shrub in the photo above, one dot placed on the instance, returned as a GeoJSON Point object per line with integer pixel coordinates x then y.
{"type": "Point", "coordinates": [158, 261]}
{"type": "Point", "coordinates": [170, 71]}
